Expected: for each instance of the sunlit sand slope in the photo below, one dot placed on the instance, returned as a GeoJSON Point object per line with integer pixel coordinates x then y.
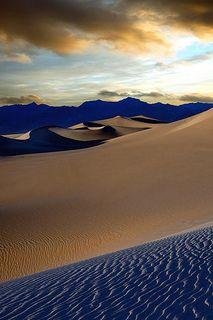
{"type": "Point", "coordinates": [167, 279]}
{"type": "Point", "coordinates": [59, 208]}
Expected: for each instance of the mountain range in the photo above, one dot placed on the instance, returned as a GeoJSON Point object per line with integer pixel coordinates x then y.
{"type": "Point", "coordinates": [23, 118]}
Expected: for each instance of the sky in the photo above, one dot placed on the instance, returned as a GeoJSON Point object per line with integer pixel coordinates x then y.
{"type": "Point", "coordinates": [63, 52]}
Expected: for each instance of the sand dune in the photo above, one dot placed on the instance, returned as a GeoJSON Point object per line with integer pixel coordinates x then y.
{"type": "Point", "coordinates": [63, 207]}
{"type": "Point", "coordinates": [144, 119]}
{"type": "Point", "coordinates": [102, 133]}
{"type": "Point", "coordinates": [106, 130]}
{"type": "Point", "coordinates": [167, 279]}
{"type": "Point", "coordinates": [122, 122]}
{"type": "Point", "coordinates": [123, 125]}
{"type": "Point", "coordinates": [18, 136]}
{"type": "Point", "coordinates": [50, 139]}
{"type": "Point", "coordinates": [40, 141]}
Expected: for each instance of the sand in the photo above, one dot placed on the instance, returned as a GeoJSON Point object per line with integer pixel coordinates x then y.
{"type": "Point", "coordinates": [102, 130]}
{"type": "Point", "coordinates": [58, 208]}
{"type": "Point", "coordinates": [166, 279]}
{"type": "Point", "coordinates": [52, 139]}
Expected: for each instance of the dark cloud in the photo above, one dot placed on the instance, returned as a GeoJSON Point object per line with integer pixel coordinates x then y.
{"type": "Point", "coordinates": [136, 94]}
{"type": "Point", "coordinates": [196, 98]}
{"type": "Point", "coordinates": [151, 94]}
{"type": "Point", "coordinates": [157, 95]}
{"type": "Point", "coordinates": [21, 100]}
{"type": "Point", "coordinates": [193, 15]}
{"type": "Point", "coordinates": [65, 26]}
{"type": "Point", "coordinates": [106, 93]}
{"type": "Point", "coordinates": [114, 94]}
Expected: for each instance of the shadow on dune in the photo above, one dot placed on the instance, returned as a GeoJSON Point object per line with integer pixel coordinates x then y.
{"type": "Point", "coordinates": [40, 141]}
{"type": "Point", "coordinates": [165, 279]}
{"type": "Point", "coordinates": [146, 120]}
{"type": "Point", "coordinates": [95, 133]}
{"type": "Point", "coordinates": [52, 139]}
{"type": "Point", "coordinates": [93, 125]}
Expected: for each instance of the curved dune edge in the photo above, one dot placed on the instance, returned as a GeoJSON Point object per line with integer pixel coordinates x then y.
{"type": "Point", "coordinates": [18, 136]}
{"type": "Point", "coordinates": [122, 122]}
{"type": "Point", "coordinates": [64, 207]}
{"type": "Point", "coordinates": [52, 139]}
{"type": "Point", "coordinates": [100, 133]}
{"type": "Point", "coordinates": [166, 279]}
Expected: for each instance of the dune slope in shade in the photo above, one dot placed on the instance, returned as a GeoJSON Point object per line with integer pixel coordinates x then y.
{"type": "Point", "coordinates": [166, 279]}
{"type": "Point", "coordinates": [40, 141]}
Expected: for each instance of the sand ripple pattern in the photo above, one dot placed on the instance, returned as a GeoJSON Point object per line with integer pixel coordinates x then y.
{"type": "Point", "coordinates": [165, 279]}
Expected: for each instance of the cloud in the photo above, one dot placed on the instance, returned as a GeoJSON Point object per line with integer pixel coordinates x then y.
{"type": "Point", "coordinates": [191, 15]}
{"type": "Point", "coordinates": [152, 96]}
{"type": "Point", "coordinates": [66, 26]}
{"type": "Point", "coordinates": [106, 93]}
{"type": "Point", "coordinates": [21, 100]}
{"type": "Point", "coordinates": [70, 26]}
{"type": "Point", "coordinates": [15, 57]}
{"type": "Point", "coordinates": [197, 58]}
{"type": "Point", "coordinates": [196, 98]}
{"type": "Point", "coordinates": [157, 96]}
{"type": "Point", "coordinates": [14, 51]}
{"type": "Point", "coordinates": [136, 94]}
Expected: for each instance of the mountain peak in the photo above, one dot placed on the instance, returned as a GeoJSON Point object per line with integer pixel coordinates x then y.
{"type": "Point", "coordinates": [130, 99]}
{"type": "Point", "coordinates": [33, 104]}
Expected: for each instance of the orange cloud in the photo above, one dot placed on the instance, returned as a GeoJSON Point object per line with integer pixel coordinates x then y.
{"type": "Point", "coordinates": [190, 15]}
{"type": "Point", "coordinates": [65, 26]}
{"type": "Point", "coordinates": [21, 100]}
{"type": "Point", "coordinates": [191, 97]}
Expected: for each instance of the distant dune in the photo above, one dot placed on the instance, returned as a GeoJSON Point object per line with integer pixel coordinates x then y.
{"type": "Point", "coordinates": [51, 139]}
{"type": "Point", "coordinates": [166, 279]}
{"type": "Point", "coordinates": [42, 140]}
{"type": "Point", "coordinates": [58, 208]}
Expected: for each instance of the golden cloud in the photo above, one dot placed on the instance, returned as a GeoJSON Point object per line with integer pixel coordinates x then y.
{"type": "Point", "coordinates": [192, 97]}
{"type": "Point", "coordinates": [190, 15]}
{"type": "Point", "coordinates": [66, 26]}
{"type": "Point", "coordinates": [15, 57]}
{"type": "Point", "coordinates": [196, 98]}
{"type": "Point", "coordinates": [21, 100]}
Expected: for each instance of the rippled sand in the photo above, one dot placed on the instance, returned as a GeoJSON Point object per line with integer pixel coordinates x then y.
{"type": "Point", "coordinates": [167, 279]}
{"type": "Point", "coordinates": [58, 208]}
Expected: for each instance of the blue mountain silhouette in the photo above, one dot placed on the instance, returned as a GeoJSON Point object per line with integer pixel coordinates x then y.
{"type": "Point", "coordinates": [22, 118]}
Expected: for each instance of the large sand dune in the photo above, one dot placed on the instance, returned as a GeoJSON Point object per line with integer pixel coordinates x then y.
{"type": "Point", "coordinates": [167, 279]}
{"type": "Point", "coordinates": [40, 141]}
{"type": "Point", "coordinates": [123, 122]}
{"type": "Point", "coordinates": [57, 208]}
{"type": "Point", "coordinates": [51, 139]}
{"type": "Point", "coordinates": [102, 130]}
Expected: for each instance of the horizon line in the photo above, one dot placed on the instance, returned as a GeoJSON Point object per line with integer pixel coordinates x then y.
{"type": "Point", "coordinates": [107, 101]}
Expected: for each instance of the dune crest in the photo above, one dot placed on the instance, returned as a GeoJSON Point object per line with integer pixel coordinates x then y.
{"type": "Point", "coordinates": [52, 139]}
